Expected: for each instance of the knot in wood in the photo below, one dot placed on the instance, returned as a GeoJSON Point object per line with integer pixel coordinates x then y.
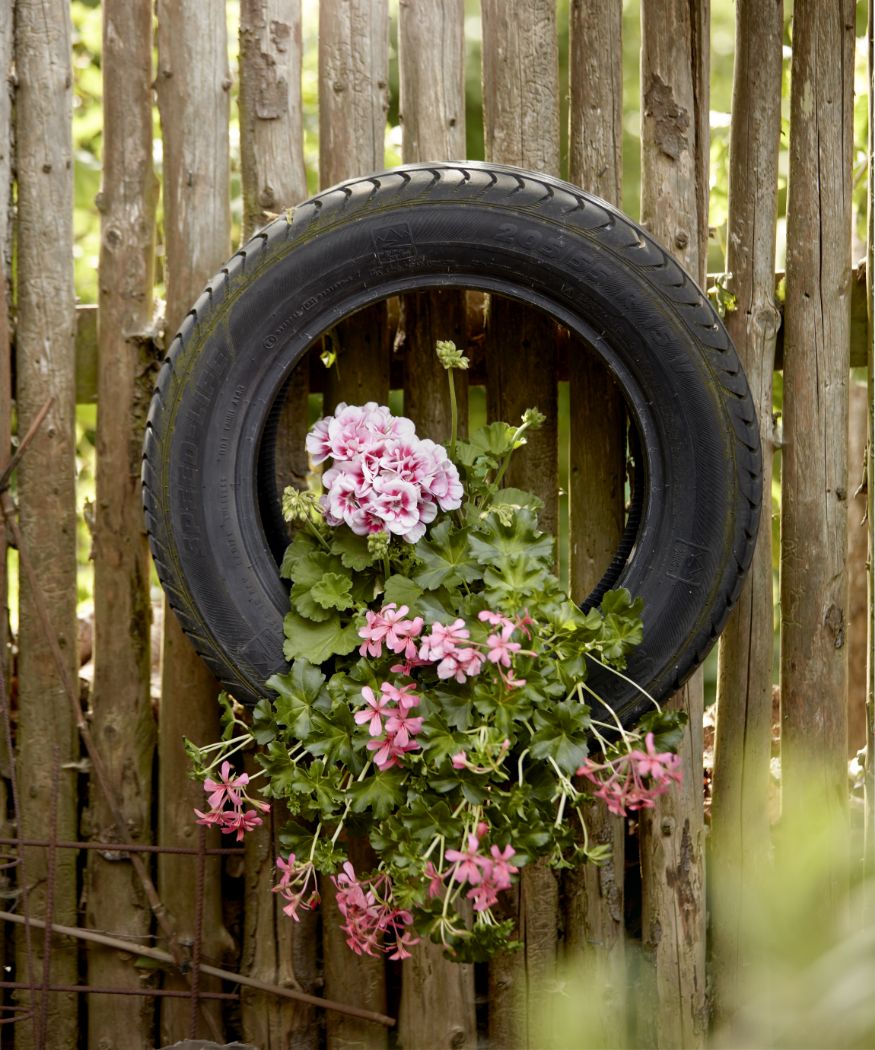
{"type": "Point", "coordinates": [834, 621]}
{"type": "Point", "coordinates": [667, 826]}
{"type": "Point", "coordinates": [670, 121]}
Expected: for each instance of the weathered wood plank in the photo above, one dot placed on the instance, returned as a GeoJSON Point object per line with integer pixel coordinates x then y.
{"type": "Point", "coordinates": [353, 86]}
{"type": "Point", "coordinates": [674, 207]}
{"type": "Point", "coordinates": [858, 536]}
{"type": "Point", "coordinates": [437, 996]}
{"type": "Point", "coordinates": [123, 724]}
{"type": "Point", "coordinates": [7, 165]}
{"type": "Point", "coordinates": [814, 582]}
{"type": "Point", "coordinates": [46, 487]}
{"type": "Point", "coordinates": [353, 100]}
{"type": "Point", "coordinates": [521, 122]}
{"type": "Point", "coordinates": [431, 66]}
{"type": "Point", "coordinates": [275, 949]}
{"type": "Point", "coordinates": [869, 777]}
{"type": "Point", "coordinates": [193, 84]}
{"type": "Point", "coordinates": [594, 918]}
{"type": "Point", "coordinates": [740, 819]}
{"type": "Point", "coordinates": [271, 137]}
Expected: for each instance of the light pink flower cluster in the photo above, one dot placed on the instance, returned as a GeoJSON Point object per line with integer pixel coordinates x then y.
{"type": "Point", "coordinates": [298, 886]}
{"type": "Point", "coordinates": [383, 478]}
{"type": "Point", "coordinates": [397, 736]}
{"type": "Point", "coordinates": [372, 916]}
{"type": "Point", "coordinates": [486, 874]}
{"type": "Point", "coordinates": [228, 791]}
{"type": "Point", "coordinates": [448, 646]}
{"type": "Point", "coordinates": [634, 780]}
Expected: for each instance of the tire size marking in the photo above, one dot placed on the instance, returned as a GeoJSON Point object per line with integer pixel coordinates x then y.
{"type": "Point", "coordinates": [532, 241]}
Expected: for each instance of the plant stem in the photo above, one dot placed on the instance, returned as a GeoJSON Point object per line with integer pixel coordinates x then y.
{"type": "Point", "coordinates": [454, 414]}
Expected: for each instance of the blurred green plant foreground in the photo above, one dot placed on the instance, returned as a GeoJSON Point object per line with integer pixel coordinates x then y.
{"type": "Point", "coordinates": [812, 981]}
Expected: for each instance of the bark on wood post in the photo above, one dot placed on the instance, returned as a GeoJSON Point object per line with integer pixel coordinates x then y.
{"type": "Point", "coordinates": [594, 919]}
{"type": "Point", "coordinates": [275, 949]}
{"type": "Point", "coordinates": [7, 166]}
{"type": "Point", "coordinates": [353, 99]}
{"type": "Point", "coordinates": [431, 66]}
{"type": "Point", "coordinates": [271, 137]}
{"type": "Point", "coordinates": [869, 778]}
{"type": "Point", "coordinates": [858, 536]}
{"type": "Point", "coordinates": [814, 583]}
{"type": "Point", "coordinates": [437, 996]}
{"type": "Point", "coordinates": [521, 117]}
{"type": "Point", "coordinates": [46, 482]}
{"type": "Point", "coordinates": [674, 207]}
{"type": "Point", "coordinates": [193, 84]}
{"type": "Point", "coordinates": [353, 83]}
{"type": "Point", "coordinates": [740, 820]}
{"type": "Point", "coordinates": [123, 724]}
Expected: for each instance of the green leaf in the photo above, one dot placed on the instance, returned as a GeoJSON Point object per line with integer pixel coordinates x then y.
{"type": "Point", "coordinates": [353, 550]}
{"type": "Point", "coordinates": [380, 793]}
{"type": "Point", "coordinates": [302, 545]}
{"type": "Point", "coordinates": [562, 736]}
{"type": "Point", "coordinates": [495, 439]}
{"type": "Point", "coordinates": [446, 558]}
{"type": "Point", "coordinates": [332, 735]}
{"type": "Point", "coordinates": [513, 580]}
{"type": "Point", "coordinates": [402, 591]}
{"type": "Point", "coordinates": [332, 591]}
{"type": "Point", "coordinates": [263, 727]}
{"type": "Point", "coordinates": [496, 540]}
{"type": "Point", "coordinates": [308, 573]}
{"type": "Point", "coordinates": [301, 693]}
{"type": "Point", "coordinates": [317, 641]}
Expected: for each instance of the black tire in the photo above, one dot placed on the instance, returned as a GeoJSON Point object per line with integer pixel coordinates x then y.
{"type": "Point", "coordinates": [512, 232]}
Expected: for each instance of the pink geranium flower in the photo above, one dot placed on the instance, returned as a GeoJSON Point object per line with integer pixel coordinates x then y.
{"type": "Point", "coordinates": [375, 710]}
{"type": "Point", "coordinates": [225, 788]}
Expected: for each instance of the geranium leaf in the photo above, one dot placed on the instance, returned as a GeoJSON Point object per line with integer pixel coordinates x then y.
{"type": "Point", "coordinates": [332, 735]}
{"type": "Point", "coordinates": [301, 546]}
{"type": "Point", "coordinates": [379, 793]}
{"type": "Point", "coordinates": [495, 539]}
{"type": "Point", "coordinates": [332, 591]}
{"type": "Point", "coordinates": [446, 558]}
{"type": "Point", "coordinates": [317, 641]}
{"type": "Point", "coordinates": [353, 550]}
{"type": "Point", "coordinates": [562, 736]}
{"type": "Point", "coordinates": [300, 693]}
{"type": "Point", "coordinates": [402, 591]}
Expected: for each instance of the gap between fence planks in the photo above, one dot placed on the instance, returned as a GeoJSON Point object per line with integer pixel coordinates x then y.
{"type": "Point", "coordinates": [814, 583]}
{"type": "Point", "coordinates": [674, 208]}
{"type": "Point", "coordinates": [437, 996]}
{"type": "Point", "coordinates": [122, 721]}
{"type": "Point", "coordinates": [193, 83]}
{"type": "Point", "coordinates": [521, 123]}
{"type": "Point", "coordinates": [353, 83]}
{"type": "Point", "coordinates": [45, 366]}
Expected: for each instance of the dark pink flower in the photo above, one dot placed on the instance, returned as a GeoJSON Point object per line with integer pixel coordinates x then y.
{"type": "Point", "coordinates": [375, 710]}
{"type": "Point", "coordinates": [225, 788]}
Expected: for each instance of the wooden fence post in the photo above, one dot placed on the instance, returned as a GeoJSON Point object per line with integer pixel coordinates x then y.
{"type": "Point", "coordinates": [814, 584]}
{"type": "Point", "coordinates": [47, 497]}
{"type": "Point", "coordinates": [674, 208]}
{"type": "Point", "coordinates": [521, 122]}
{"type": "Point", "coordinates": [275, 949]}
{"type": "Point", "coordinates": [123, 724]}
{"type": "Point", "coordinates": [353, 85]}
{"type": "Point", "coordinates": [437, 996]}
{"type": "Point", "coordinates": [7, 165]}
{"type": "Point", "coordinates": [740, 818]}
{"type": "Point", "coordinates": [594, 897]}
{"type": "Point", "coordinates": [869, 772]}
{"type": "Point", "coordinates": [193, 86]}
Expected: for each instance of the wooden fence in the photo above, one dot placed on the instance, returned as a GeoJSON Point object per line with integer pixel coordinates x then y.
{"type": "Point", "coordinates": [197, 911]}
